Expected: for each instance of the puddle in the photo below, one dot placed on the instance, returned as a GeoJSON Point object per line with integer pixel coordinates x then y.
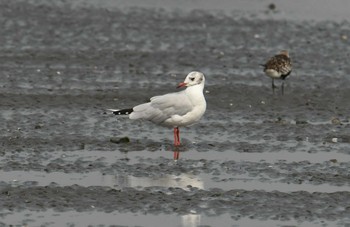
{"type": "Point", "coordinates": [134, 157]}
{"type": "Point", "coordinates": [184, 181]}
{"type": "Point", "coordinates": [107, 158]}
{"type": "Point", "coordinates": [98, 179]}
{"type": "Point", "coordinates": [52, 218]}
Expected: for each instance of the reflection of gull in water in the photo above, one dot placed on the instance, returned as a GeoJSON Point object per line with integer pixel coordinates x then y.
{"type": "Point", "coordinates": [191, 220]}
{"type": "Point", "coordinates": [181, 181]}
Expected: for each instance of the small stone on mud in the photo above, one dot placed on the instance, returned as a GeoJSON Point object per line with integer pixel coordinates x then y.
{"type": "Point", "coordinates": [280, 121]}
{"type": "Point", "coordinates": [300, 122]}
{"type": "Point", "coordinates": [298, 138]}
{"type": "Point", "coordinates": [119, 140]}
{"type": "Point", "coordinates": [335, 140]}
{"type": "Point", "coordinates": [39, 126]}
{"type": "Point", "coordinates": [272, 6]}
{"type": "Point", "coordinates": [335, 121]}
{"type": "Point", "coordinates": [333, 160]}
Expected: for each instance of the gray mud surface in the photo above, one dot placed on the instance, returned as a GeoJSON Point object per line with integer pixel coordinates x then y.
{"type": "Point", "coordinates": [281, 160]}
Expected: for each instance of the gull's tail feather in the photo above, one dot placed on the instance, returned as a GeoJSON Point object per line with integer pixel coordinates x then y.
{"type": "Point", "coordinates": [121, 112]}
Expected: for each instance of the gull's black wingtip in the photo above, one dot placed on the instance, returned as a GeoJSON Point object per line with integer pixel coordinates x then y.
{"type": "Point", "coordinates": [122, 112]}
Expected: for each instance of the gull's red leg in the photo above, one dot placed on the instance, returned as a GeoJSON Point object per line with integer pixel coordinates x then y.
{"type": "Point", "coordinates": [176, 143]}
{"type": "Point", "coordinates": [176, 136]}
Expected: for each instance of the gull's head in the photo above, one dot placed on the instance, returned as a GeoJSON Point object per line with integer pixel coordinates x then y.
{"type": "Point", "coordinates": [193, 78]}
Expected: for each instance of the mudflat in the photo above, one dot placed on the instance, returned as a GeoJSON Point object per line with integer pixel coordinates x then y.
{"type": "Point", "coordinates": [254, 159]}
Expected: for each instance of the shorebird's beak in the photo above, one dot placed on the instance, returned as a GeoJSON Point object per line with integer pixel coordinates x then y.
{"type": "Point", "coordinates": [183, 84]}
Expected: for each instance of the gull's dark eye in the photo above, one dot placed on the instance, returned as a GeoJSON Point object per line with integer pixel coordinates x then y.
{"type": "Point", "coordinates": [192, 79]}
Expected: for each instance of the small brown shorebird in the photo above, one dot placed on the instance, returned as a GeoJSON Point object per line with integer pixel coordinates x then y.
{"type": "Point", "coordinates": [278, 67]}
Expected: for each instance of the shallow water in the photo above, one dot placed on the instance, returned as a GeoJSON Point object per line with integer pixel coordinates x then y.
{"type": "Point", "coordinates": [183, 181]}
{"type": "Point", "coordinates": [52, 218]}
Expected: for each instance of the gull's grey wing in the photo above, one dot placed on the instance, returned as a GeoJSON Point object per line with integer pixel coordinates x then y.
{"type": "Point", "coordinates": [163, 107]}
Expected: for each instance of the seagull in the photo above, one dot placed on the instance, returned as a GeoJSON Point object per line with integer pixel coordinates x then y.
{"type": "Point", "coordinates": [278, 67]}
{"type": "Point", "coordinates": [176, 109]}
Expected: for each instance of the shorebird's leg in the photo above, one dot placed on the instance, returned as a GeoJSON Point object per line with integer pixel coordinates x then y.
{"type": "Point", "coordinates": [273, 86]}
{"type": "Point", "coordinates": [176, 136]}
{"type": "Point", "coordinates": [282, 87]}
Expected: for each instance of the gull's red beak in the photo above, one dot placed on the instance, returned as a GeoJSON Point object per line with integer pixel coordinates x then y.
{"type": "Point", "coordinates": [183, 84]}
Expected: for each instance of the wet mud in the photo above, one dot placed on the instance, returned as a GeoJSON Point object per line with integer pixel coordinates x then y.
{"type": "Point", "coordinates": [281, 160]}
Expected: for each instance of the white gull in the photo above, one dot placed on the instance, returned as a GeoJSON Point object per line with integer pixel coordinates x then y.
{"type": "Point", "coordinates": [176, 109]}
